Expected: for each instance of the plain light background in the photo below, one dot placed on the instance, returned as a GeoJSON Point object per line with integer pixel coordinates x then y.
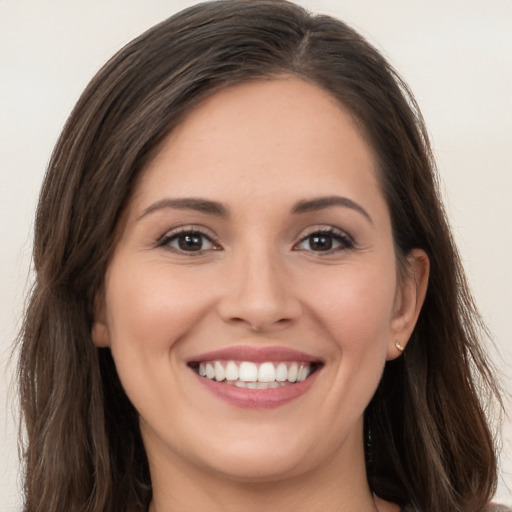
{"type": "Point", "coordinates": [456, 55]}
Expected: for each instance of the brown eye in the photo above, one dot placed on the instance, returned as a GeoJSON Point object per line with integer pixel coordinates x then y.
{"type": "Point", "coordinates": [188, 242]}
{"type": "Point", "coordinates": [320, 242]}
{"type": "Point", "coordinates": [325, 241]}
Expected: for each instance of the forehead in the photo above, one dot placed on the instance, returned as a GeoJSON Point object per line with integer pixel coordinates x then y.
{"type": "Point", "coordinates": [256, 138]}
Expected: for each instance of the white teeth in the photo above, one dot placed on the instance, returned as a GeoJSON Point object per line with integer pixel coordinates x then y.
{"type": "Point", "coordinates": [248, 372]}
{"type": "Point", "coordinates": [255, 376]}
{"type": "Point", "coordinates": [303, 373]}
{"type": "Point", "coordinates": [220, 373]}
{"type": "Point", "coordinates": [281, 372]}
{"type": "Point", "coordinates": [293, 372]}
{"type": "Point", "coordinates": [210, 371]}
{"type": "Point", "coordinates": [267, 373]}
{"type": "Point", "coordinates": [231, 371]}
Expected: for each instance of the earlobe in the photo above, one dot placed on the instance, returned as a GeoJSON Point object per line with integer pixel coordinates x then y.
{"type": "Point", "coordinates": [100, 335]}
{"type": "Point", "coordinates": [409, 301]}
{"type": "Point", "coordinates": [99, 332]}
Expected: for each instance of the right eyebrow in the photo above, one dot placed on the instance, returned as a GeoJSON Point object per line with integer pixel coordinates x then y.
{"type": "Point", "coordinates": [320, 203]}
{"type": "Point", "coordinates": [187, 203]}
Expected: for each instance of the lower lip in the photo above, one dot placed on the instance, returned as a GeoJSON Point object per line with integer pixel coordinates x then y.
{"type": "Point", "coordinates": [258, 398]}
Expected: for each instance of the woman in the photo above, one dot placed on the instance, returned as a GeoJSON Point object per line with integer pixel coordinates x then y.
{"type": "Point", "coordinates": [247, 295]}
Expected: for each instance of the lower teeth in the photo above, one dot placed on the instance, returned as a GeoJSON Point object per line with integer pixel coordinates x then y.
{"type": "Point", "coordinates": [256, 385]}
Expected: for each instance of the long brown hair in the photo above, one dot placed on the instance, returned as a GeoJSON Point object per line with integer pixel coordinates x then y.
{"type": "Point", "coordinates": [428, 444]}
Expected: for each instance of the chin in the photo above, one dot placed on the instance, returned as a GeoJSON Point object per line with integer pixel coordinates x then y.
{"type": "Point", "coordinates": [259, 467]}
{"type": "Point", "coordinates": [267, 458]}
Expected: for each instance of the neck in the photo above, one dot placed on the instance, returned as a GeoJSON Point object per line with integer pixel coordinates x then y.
{"type": "Point", "coordinates": [285, 496]}
{"type": "Point", "coordinates": [338, 485]}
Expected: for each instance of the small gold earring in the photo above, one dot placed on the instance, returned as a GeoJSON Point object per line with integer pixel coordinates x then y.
{"type": "Point", "coordinates": [399, 347]}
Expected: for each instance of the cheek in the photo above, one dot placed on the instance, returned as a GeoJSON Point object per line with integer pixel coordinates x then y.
{"type": "Point", "coordinates": [355, 304]}
{"type": "Point", "coordinates": [149, 311]}
{"type": "Point", "coordinates": [150, 307]}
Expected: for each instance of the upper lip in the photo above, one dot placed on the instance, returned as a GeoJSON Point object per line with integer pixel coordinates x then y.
{"type": "Point", "coordinates": [255, 354]}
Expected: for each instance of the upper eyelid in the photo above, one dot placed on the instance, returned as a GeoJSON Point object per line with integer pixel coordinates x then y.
{"type": "Point", "coordinates": [324, 229]}
{"type": "Point", "coordinates": [191, 228]}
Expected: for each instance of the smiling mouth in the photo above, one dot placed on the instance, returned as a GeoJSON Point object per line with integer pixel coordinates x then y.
{"type": "Point", "coordinates": [251, 375]}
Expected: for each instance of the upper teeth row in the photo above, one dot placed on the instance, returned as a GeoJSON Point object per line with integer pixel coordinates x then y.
{"type": "Point", "coordinates": [248, 371]}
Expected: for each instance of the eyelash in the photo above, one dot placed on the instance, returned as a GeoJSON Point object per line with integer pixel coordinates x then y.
{"type": "Point", "coordinates": [336, 236]}
{"type": "Point", "coordinates": [191, 231]}
{"type": "Point", "coordinates": [340, 237]}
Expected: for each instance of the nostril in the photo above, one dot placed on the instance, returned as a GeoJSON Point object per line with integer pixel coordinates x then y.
{"type": "Point", "coordinates": [260, 326]}
{"type": "Point", "coordinates": [239, 321]}
{"type": "Point", "coordinates": [263, 326]}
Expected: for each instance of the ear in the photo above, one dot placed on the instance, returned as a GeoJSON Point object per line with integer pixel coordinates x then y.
{"type": "Point", "coordinates": [100, 333]}
{"type": "Point", "coordinates": [411, 291]}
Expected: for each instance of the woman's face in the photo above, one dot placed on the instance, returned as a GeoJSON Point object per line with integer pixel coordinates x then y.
{"type": "Point", "coordinates": [257, 249]}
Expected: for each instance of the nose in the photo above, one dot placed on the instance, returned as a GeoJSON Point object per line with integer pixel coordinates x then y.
{"type": "Point", "coordinates": [258, 293]}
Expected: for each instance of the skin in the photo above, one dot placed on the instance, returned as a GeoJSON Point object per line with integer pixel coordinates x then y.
{"type": "Point", "coordinates": [258, 149]}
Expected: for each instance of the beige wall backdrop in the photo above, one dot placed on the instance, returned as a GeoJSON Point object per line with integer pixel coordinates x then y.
{"type": "Point", "coordinates": [455, 54]}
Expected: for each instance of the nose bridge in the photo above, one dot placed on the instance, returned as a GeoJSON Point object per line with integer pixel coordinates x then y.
{"type": "Point", "coordinates": [257, 293]}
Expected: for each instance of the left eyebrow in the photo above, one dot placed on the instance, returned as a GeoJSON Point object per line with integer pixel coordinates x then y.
{"type": "Point", "coordinates": [320, 203]}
